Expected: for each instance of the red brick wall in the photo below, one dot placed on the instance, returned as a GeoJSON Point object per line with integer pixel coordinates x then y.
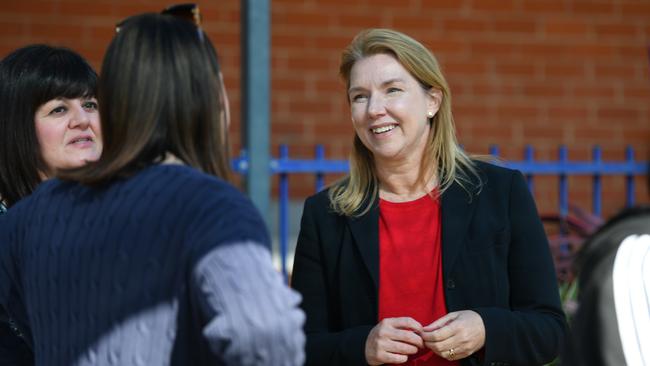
{"type": "Point", "coordinates": [522, 72]}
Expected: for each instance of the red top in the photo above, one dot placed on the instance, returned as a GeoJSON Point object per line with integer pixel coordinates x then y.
{"type": "Point", "coordinates": [410, 267]}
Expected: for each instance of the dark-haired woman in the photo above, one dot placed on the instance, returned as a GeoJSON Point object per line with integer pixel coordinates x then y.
{"type": "Point", "coordinates": [148, 256]}
{"type": "Point", "coordinates": [48, 121]}
{"type": "Point", "coordinates": [49, 118]}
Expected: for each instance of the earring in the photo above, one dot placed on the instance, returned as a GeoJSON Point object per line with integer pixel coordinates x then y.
{"type": "Point", "coordinates": [430, 114]}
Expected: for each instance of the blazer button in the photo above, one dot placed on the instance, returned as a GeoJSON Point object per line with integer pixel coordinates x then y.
{"type": "Point", "coordinates": [451, 284]}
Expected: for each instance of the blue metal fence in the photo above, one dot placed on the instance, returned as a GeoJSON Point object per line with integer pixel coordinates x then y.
{"type": "Point", "coordinates": [284, 166]}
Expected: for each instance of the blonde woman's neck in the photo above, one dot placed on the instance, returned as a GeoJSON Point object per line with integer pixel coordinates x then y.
{"type": "Point", "coordinates": [402, 183]}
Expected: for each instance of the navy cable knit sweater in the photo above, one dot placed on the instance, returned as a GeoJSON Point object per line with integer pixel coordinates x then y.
{"type": "Point", "coordinates": [168, 267]}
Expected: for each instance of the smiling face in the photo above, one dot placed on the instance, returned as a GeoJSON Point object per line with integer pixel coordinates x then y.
{"type": "Point", "coordinates": [68, 132]}
{"type": "Point", "coordinates": [390, 109]}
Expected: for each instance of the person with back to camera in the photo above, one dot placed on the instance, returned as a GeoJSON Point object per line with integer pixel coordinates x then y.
{"type": "Point", "coordinates": [148, 256]}
{"type": "Point", "coordinates": [421, 256]}
{"type": "Point", "coordinates": [611, 326]}
{"type": "Point", "coordinates": [49, 121]}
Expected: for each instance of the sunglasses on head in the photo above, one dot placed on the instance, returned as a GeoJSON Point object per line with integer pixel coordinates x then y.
{"type": "Point", "coordinates": [189, 12]}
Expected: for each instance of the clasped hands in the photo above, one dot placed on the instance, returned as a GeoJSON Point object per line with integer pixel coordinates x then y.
{"type": "Point", "coordinates": [454, 336]}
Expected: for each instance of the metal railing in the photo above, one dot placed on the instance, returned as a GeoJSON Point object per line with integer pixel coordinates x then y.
{"type": "Point", "coordinates": [284, 166]}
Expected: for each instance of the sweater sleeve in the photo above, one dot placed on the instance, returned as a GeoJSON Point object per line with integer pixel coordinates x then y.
{"type": "Point", "coordinates": [252, 316]}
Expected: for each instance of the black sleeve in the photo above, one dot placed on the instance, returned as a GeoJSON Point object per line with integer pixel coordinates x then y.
{"type": "Point", "coordinates": [534, 327]}
{"type": "Point", "coordinates": [14, 351]}
{"type": "Point", "coordinates": [325, 346]}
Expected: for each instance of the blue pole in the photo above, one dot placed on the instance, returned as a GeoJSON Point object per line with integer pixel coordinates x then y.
{"type": "Point", "coordinates": [629, 179]}
{"type": "Point", "coordinates": [563, 184]}
{"type": "Point", "coordinates": [529, 157]}
{"type": "Point", "coordinates": [494, 150]}
{"type": "Point", "coordinates": [283, 220]}
{"type": "Point", "coordinates": [320, 177]}
{"type": "Point", "coordinates": [597, 190]}
{"type": "Point", "coordinates": [564, 198]}
{"type": "Point", "coordinates": [256, 101]}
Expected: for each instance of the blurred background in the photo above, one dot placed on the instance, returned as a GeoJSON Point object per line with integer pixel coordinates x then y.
{"type": "Point", "coordinates": [522, 72]}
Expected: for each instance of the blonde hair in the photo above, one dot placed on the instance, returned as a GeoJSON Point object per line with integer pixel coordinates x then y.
{"type": "Point", "coordinates": [355, 194]}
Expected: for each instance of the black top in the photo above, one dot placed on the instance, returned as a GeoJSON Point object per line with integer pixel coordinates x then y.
{"type": "Point", "coordinates": [496, 261]}
{"type": "Point", "coordinates": [14, 350]}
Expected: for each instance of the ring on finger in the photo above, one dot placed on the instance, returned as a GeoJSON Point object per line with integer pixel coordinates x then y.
{"type": "Point", "coordinates": [451, 355]}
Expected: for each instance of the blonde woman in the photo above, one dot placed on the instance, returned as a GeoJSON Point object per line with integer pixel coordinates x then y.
{"type": "Point", "coordinates": [421, 256]}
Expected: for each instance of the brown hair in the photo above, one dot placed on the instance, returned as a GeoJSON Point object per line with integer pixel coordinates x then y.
{"type": "Point", "coordinates": [160, 93]}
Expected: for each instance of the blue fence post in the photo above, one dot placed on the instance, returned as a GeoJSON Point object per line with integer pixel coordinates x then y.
{"type": "Point", "coordinates": [283, 220]}
{"type": "Point", "coordinates": [629, 178]}
{"type": "Point", "coordinates": [240, 163]}
{"type": "Point", "coordinates": [320, 177]}
{"type": "Point", "coordinates": [597, 183]}
{"type": "Point", "coordinates": [563, 183]}
{"type": "Point", "coordinates": [494, 150]}
{"type": "Point", "coordinates": [529, 157]}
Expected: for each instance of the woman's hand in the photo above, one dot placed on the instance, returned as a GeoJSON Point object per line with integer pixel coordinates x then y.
{"type": "Point", "coordinates": [392, 340]}
{"type": "Point", "coordinates": [455, 335]}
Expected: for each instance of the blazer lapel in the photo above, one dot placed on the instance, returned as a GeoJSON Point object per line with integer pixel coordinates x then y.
{"type": "Point", "coordinates": [457, 210]}
{"type": "Point", "coordinates": [365, 231]}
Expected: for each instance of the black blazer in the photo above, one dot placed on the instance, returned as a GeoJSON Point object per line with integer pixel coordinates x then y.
{"type": "Point", "coordinates": [495, 259]}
